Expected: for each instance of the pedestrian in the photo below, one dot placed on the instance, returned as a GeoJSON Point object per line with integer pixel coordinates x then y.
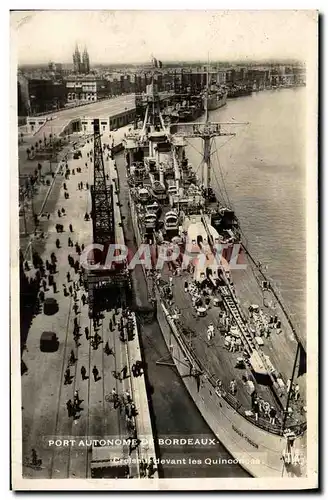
{"type": "Point", "coordinates": [273, 413]}
{"type": "Point", "coordinates": [108, 350]}
{"type": "Point", "coordinates": [117, 402]}
{"type": "Point", "coordinates": [59, 213]}
{"type": "Point", "coordinates": [296, 392]}
{"type": "Point", "coordinates": [143, 468]}
{"type": "Point", "coordinates": [128, 397]}
{"type": "Point", "coordinates": [256, 409]}
{"type": "Point", "coordinates": [70, 289]}
{"type": "Point", "coordinates": [54, 286]}
{"type": "Point", "coordinates": [34, 457]}
{"type": "Point", "coordinates": [63, 211]}
{"type": "Point", "coordinates": [75, 298]}
{"type": "Point", "coordinates": [233, 388]}
{"type": "Point", "coordinates": [86, 331]}
{"type": "Point", "coordinates": [41, 295]}
{"type": "Point", "coordinates": [76, 340]}
{"type": "Point", "coordinates": [64, 186]}
{"type": "Point", "coordinates": [232, 345]}
{"type": "Point", "coordinates": [133, 370]}
{"type": "Point", "coordinates": [110, 325]}
{"type": "Point", "coordinates": [127, 409]}
{"type": "Point", "coordinates": [87, 184]}
{"type": "Point", "coordinates": [70, 228]}
{"type": "Point", "coordinates": [65, 290]}
{"type": "Point", "coordinates": [68, 276]}
{"type": "Point", "coordinates": [95, 373]}
{"type": "Point", "coordinates": [116, 375]}
{"type": "Point", "coordinates": [77, 400]}
{"type": "Point", "coordinates": [69, 407]}
{"type": "Point", "coordinates": [83, 298]}
{"type": "Point", "coordinates": [150, 467]}
{"type": "Point", "coordinates": [133, 410]}
{"type": "Point", "coordinates": [44, 284]}
{"type": "Point", "coordinates": [47, 265]}
{"type": "Point", "coordinates": [72, 358]}
{"type": "Point", "coordinates": [67, 377]}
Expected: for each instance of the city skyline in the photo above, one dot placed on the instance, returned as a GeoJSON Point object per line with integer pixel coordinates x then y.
{"type": "Point", "coordinates": [134, 36]}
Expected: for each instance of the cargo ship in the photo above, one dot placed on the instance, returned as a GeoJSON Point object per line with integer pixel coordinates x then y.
{"type": "Point", "coordinates": [227, 330]}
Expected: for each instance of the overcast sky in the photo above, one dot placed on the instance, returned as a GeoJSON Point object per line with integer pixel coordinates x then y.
{"type": "Point", "coordinates": [132, 36]}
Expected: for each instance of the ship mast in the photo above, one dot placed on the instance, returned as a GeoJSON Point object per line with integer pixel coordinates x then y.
{"type": "Point", "coordinates": [206, 131]}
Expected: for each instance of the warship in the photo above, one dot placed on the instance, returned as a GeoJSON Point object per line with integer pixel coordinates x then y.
{"type": "Point", "coordinates": [227, 330]}
{"type": "Point", "coordinates": [215, 97]}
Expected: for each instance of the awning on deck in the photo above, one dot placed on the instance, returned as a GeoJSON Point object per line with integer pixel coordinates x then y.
{"type": "Point", "coordinates": [257, 364]}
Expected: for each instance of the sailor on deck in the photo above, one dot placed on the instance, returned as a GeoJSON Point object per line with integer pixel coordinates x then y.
{"type": "Point", "coordinates": [210, 331]}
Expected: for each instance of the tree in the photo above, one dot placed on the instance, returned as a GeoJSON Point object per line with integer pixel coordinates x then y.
{"type": "Point", "coordinates": [28, 152]}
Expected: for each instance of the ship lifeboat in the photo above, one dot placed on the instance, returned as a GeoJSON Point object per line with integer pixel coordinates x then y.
{"type": "Point", "coordinates": [150, 221]}
{"type": "Point", "coordinates": [171, 222]}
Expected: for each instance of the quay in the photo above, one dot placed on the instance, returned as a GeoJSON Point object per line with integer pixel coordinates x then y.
{"type": "Point", "coordinates": [113, 113]}
{"type": "Point", "coordinates": [61, 443]}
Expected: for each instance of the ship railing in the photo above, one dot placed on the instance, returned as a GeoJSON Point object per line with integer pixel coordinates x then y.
{"type": "Point", "coordinates": [221, 392]}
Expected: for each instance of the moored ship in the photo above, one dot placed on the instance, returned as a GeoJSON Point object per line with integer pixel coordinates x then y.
{"type": "Point", "coordinates": [216, 97]}
{"type": "Point", "coordinates": [239, 91]}
{"type": "Point", "coordinates": [227, 330]}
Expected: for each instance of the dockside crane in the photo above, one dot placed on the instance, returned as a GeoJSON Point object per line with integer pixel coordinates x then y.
{"type": "Point", "coordinates": [102, 196]}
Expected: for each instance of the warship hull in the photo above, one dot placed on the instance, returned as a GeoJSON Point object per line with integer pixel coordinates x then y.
{"type": "Point", "coordinates": [216, 102]}
{"type": "Point", "coordinates": [259, 452]}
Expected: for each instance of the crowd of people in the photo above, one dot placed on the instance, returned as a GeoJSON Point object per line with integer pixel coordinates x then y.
{"type": "Point", "coordinates": [48, 276]}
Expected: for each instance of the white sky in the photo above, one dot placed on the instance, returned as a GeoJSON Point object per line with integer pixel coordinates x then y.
{"type": "Point", "coordinates": [132, 36]}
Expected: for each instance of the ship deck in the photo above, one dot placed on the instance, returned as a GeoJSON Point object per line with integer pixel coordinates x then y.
{"type": "Point", "coordinates": [219, 363]}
